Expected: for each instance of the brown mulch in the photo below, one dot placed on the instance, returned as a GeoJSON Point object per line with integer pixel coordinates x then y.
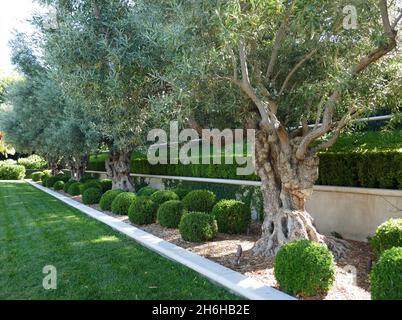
{"type": "Point", "coordinates": [351, 283]}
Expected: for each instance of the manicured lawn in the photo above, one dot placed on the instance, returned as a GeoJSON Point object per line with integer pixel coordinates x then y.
{"type": "Point", "coordinates": [92, 260]}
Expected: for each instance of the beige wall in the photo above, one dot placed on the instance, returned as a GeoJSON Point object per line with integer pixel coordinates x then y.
{"type": "Point", "coordinates": [355, 213]}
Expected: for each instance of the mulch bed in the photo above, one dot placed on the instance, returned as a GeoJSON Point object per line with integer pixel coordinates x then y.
{"type": "Point", "coordinates": [352, 280]}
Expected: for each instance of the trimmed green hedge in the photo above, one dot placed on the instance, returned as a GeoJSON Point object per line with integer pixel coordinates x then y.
{"type": "Point", "coordinates": [367, 169]}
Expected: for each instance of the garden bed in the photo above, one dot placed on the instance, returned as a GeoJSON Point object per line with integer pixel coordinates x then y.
{"type": "Point", "coordinates": [223, 249]}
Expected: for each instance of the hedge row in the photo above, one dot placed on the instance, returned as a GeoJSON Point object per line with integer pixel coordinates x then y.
{"type": "Point", "coordinates": [371, 169]}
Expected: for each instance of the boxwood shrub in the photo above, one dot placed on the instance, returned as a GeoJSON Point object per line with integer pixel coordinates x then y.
{"type": "Point", "coordinates": [162, 196]}
{"type": "Point", "coordinates": [12, 172]}
{"type": "Point", "coordinates": [122, 203]}
{"type": "Point", "coordinates": [200, 201]}
{"type": "Point", "coordinates": [386, 276]}
{"type": "Point", "coordinates": [232, 216]}
{"type": "Point", "coordinates": [105, 202]}
{"type": "Point", "coordinates": [91, 196]}
{"type": "Point", "coordinates": [75, 189]}
{"type": "Point", "coordinates": [106, 185]}
{"type": "Point", "coordinates": [170, 213]}
{"type": "Point", "coordinates": [59, 185]}
{"type": "Point", "coordinates": [91, 184]}
{"type": "Point", "coordinates": [146, 191]}
{"type": "Point", "coordinates": [387, 235]}
{"type": "Point", "coordinates": [68, 184]}
{"type": "Point", "coordinates": [142, 210]}
{"type": "Point", "coordinates": [198, 226]}
{"type": "Point", "coordinates": [304, 268]}
{"type": "Point", "coordinates": [37, 176]}
{"type": "Point", "coordinates": [50, 181]}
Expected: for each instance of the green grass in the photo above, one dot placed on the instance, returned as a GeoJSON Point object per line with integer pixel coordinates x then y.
{"type": "Point", "coordinates": [92, 260]}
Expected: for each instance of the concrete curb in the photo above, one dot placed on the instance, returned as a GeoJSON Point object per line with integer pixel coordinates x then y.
{"type": "Point", "coordinates": [225, 277]}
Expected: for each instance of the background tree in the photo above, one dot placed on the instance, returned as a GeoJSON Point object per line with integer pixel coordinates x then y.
{"type": "Point", "coordinates": [40, 120]}
{"type": "Point", "coordinates": [302, 78]}
{"type": "Point", "coordinates": [105, 63]}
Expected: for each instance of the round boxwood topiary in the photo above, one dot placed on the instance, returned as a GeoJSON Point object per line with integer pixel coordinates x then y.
{"type": "Point", "coordinates": [106, 185]}
{"type": "Point", "coordinates": [199, 201]}
{"type": "Point", "coordinates": [122, 203]}
{"type": "Point", "coordinates": [198, 226]}
{"type": "Point", "coordinates": [142, 211]}
{"type": "Point", "coordinates": [232, 216]}
{"type": "Point", "coordinates": [162, 196]}
{"type": "Point", "coordinates": [106, 201]}
{"type": "Point", "coordinates": [146, 191]}
{"type": "Point", "coordinates": [304, 267]}
{"type": "Point", "coordinates": [91, 184]}
{"type": "Point", "coordinates": [387, 235]}
{"type": "Point", "coordinates": [181, 192]}
{"type": "Point", "coordinates": [59, 185]}
{"type": "Point", "coordinates": [51, 181]}
{"type": "Point", "coordinates": [37, 176]}
{"type": "Point", "coordinates": [68, 184]}
{"type": "Point", "coordinates": [170, 213]}
{"type": "Point", "coordinates": [91, 196]}
{"type": "Point", "coordinates": [386, 276]}
{"type": "Point", "coordinates": [75, 189]}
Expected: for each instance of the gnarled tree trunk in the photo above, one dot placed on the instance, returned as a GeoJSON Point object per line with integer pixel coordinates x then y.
{"type": "Point", "coordinates": [77, 166]}
{"type": "Point", "coordinates": [286, 185]}
{"type": "Point", "coordinates": [54, 165]}
{"type": "Point", "coordinates": [118, 169]}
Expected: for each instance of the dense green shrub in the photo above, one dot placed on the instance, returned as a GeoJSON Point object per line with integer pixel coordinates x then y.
{"type": "Point", "coordinates": [12, 172]}
{"type": "Point", "coordinates": [162, 196]}
{"type": "Point", "coordinates": [91, 184]}
{"type": "Point", "coordinates": [387, 235]}
{"type": "Point", "coordinates": [87, 177]}
{"type": "Point", "coordinates": [304, 268]}
{"type": "Point", "coordinates": [8, 162]}
{"type": "Point", "coordinates": [198, 226]}
{"type": "Point", "coordinates": [232, 216]}
{"type": "Point", "coordinates": [182, 192]}
{"type": "Point", "coordinates": [146, 191]}
{"type": "Point", "coordinates": [122, 203]}
{"type": "Point", "coordinates": [75, 189]}
{"type": "Point", "coordinates": [105, 202]}
{"type": "Point", "coordinates": [50, 181]}
{"type": "Point", "coordinates": [170, 213]}
{"type": "Point", "coordinates": [106, 185]}
{"type": "Point", "coordinates": [59, 185]}
{"type": "Point", "coordinates": [68, 184]}
{"type": "Point", "coordinates": [142, 210]}
{"type": "Point", "coordinates": [37, 176]}
{"type": "Point", "coordinates": [65, 177]}
{"type": "Point", "coordinates": [199, 201]}
{"type": "Point", "coordinates": [33, 162]}
{"type": "Point", "coordinates": [91, 196]}
{"type": "Point", "coordinates": [386, 276]}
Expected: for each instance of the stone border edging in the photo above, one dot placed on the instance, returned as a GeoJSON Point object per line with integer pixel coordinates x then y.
{"type": "Point", "coordinates": [233, 281]}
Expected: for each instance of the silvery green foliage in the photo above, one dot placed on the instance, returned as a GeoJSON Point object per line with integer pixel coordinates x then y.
{"type": "Point", "coordinates": [105, 63]}
{"type": "Point", "coordinates": [207, 35]}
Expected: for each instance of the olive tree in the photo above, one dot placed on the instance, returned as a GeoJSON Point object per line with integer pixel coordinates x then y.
{"type": "Point", "coordinates": [105, 63]}
{"type": "Point", "coordinates": [304, 70]}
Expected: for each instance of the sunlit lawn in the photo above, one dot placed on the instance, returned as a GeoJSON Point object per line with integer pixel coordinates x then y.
{"type": "Point", "coordinates": [92, 260]}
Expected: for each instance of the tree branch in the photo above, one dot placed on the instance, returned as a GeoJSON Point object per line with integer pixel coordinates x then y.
{"type": "Point", "coordinates": [280, 35]}
{"type": "Point", "coordinates": [296, 67]}
{"type": "Point", "coordinates": [364, 62]}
